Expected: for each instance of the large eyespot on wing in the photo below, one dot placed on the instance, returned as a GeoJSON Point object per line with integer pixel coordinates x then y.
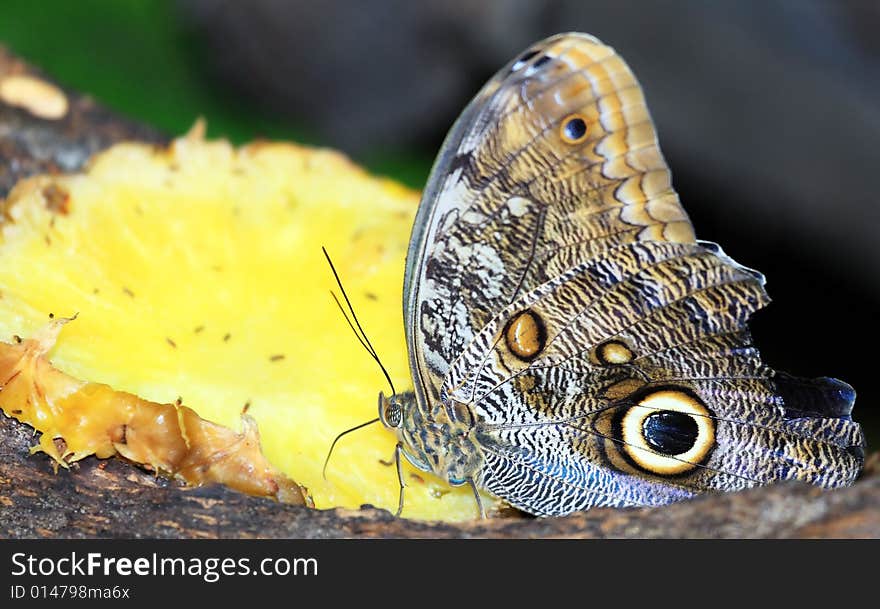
{"type": "Point", "coordinates": [666, 432]}
{"type": "Point", "coordinates": [554, 162]}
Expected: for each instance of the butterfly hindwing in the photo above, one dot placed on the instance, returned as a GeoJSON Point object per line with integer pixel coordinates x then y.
{"type": "Point", "coordinates": [641, 388]}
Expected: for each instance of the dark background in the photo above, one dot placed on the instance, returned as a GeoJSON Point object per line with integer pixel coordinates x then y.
{"type": "Point", "coordinates": [768, 113]}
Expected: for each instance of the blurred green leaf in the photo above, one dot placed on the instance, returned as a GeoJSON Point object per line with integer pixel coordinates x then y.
{"type": "Point", "coordinates": [138, 58]}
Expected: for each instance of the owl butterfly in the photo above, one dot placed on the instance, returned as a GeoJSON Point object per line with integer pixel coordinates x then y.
{"type": "Point", "coordinates": [571, 343]}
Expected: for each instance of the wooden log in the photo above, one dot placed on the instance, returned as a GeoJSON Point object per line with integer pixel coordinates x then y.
{"type": "Point", "coordinates": [114, 499]}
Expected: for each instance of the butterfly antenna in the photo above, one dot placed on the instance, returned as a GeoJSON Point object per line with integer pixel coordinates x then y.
{"type": "Point", "coordinates": [351, 325]}
{"type": "Point", "coordinates": [332, 446]}
{"type": "Point", "coordinates": [359, 331]}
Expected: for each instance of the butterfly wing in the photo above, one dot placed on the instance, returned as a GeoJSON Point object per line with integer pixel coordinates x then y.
{"type": "Point", "coordinates": [638, 385]}
{"type": "Point", "coordinates": [553, 162]}
{"type": "Point", "coordinates": [555, 289]}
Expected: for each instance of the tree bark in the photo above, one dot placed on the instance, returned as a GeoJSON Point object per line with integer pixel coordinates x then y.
{"type": "Point", "coordinates": [112, 498]}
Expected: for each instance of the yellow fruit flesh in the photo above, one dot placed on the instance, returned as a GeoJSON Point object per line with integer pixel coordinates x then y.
{"type": "Point", "coordinates": [79, 419]}
{"type": "Point", "coordinates": [197, 273]}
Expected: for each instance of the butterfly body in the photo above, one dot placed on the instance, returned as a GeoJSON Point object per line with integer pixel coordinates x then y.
{"type": "Point", "coordinates": [571, 344]}
{"type": "Point", "coordinates": [431, 441]}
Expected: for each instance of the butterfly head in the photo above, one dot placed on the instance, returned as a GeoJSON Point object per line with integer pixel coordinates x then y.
{"type": "Point", "coordinates": [433, 441]}
{"type": "Point", "coordinates": [391, 410]}
{"type": "Point", "coordinates": [399, 414]}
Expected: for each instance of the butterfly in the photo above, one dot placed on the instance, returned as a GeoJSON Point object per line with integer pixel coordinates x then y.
{"type": "Point", "coordinates": [571, 343]}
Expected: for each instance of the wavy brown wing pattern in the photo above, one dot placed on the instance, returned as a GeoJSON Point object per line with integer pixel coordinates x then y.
{"type": "Point", "coordinates": [571, 343]}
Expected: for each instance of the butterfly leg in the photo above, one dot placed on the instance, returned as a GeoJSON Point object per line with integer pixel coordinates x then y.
{"type": "Point", "coordinates": [477, 498]}
{"type": "Point", "coordinates": [400, 481]}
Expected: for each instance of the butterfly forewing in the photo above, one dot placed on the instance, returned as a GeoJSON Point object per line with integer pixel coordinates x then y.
{"type": "Point", "coordinates": [571, 344]}
{"type": "Point", "coordinates": [514, 199]}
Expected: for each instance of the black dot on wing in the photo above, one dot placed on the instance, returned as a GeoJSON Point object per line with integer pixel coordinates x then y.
{"type": "Point", "coordinates": [669, 432]}
{"type": "Point", "coordinates": [574, 129]}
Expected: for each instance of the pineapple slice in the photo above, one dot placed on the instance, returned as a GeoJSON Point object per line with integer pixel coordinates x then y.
{"type": "Point", "coordinates": [79, 419]}
{"type": "Point", "coordinates": [198, 282]}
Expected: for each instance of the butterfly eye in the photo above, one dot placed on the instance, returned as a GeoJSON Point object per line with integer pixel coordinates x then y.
{"type": "Point", "coordinates": [390, 412]}
{"type": "Point", "coordinates": [667, 432]}
{"type": "Point", "coordinates": [573, 129]}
